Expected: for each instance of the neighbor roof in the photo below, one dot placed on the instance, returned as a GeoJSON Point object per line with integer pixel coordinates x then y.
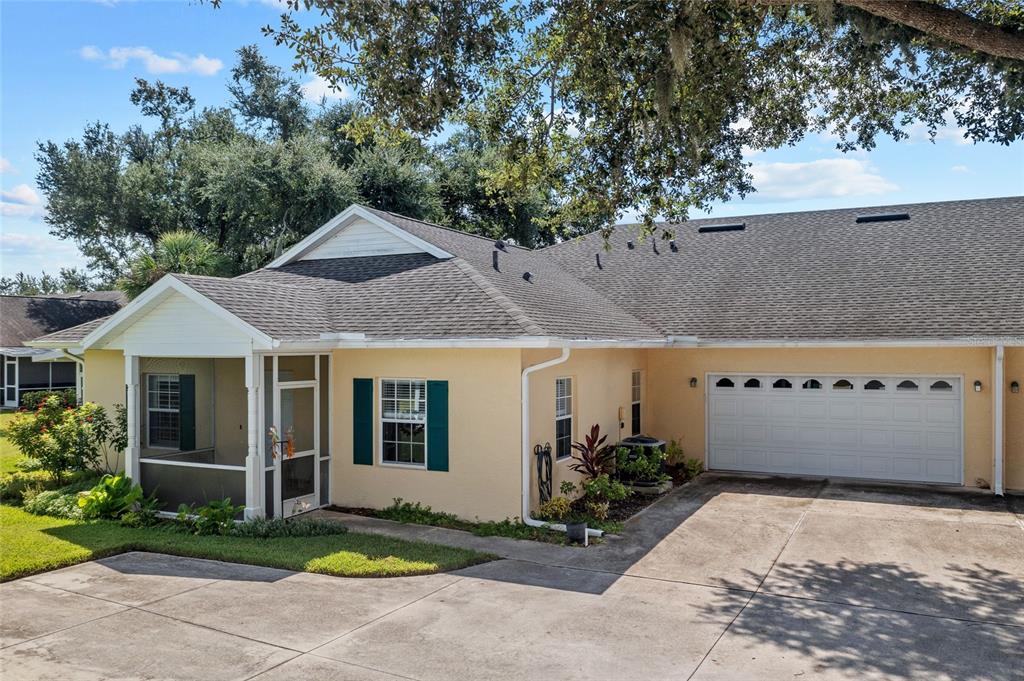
{"type": "Point", "coordinates": [953, 270]}
{"type": "Point", "coordinates": [23, 318]}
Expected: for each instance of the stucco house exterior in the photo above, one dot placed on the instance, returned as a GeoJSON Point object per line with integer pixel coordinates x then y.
{"type": "Point", "coordinates": [385, 357]}
{"type": "Point", "coordinates": [22, 318]}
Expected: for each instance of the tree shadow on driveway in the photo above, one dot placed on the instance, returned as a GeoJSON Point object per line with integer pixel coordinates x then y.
{"type": "Point", "coordinates": [857, 635]}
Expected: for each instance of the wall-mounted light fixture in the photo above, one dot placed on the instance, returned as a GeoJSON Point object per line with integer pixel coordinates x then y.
{"type": "Point", "coordinates": [693, 382]}
{"type": "Point", "coordinates": [1015, 387]}
{"type": "Point", "coordinates": [977, 386]}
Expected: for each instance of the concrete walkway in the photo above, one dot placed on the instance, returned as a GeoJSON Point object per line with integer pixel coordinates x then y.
{"type": "Point", "coordinates": [731, 578]}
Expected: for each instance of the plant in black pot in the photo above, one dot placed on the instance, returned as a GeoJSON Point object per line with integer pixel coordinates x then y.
{"type": "Point", "coordinates": [576, 527]}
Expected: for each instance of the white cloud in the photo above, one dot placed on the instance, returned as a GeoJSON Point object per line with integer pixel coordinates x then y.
{"type": "Point", "coordinates": [118, 58]}
{"type": "Point", "coordinates": [33, 253]}
{"type": "Point", "coordinates": [20, 201]}
{"type": "Point", "coordinates": [317, 88]}
{"type": "Point", "coordinates": [960, 169]}
{"type": "Point", "coordinates": [21, 194]}
{"type": "Point", "coordinates": [823, 178]}
{"type": "Point", "coordinates": [6, 167]}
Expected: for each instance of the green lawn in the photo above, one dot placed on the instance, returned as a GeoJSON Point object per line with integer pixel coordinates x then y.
{"type": "Point", "coordinates": [31, 544]}
{"type": "Point", "coordinates": [8, 452]}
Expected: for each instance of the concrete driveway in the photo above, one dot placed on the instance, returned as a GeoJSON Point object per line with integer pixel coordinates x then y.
{"type": "Point", "coordinates": [728, 578]}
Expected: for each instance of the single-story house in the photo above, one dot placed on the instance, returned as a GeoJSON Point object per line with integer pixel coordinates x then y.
{"type": "Point", "coordinates": [385, 357]}
{"type": "Point", "coordinates": [22, 318]}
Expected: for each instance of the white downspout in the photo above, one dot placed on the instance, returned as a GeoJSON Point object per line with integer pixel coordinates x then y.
{"type": "Point", "coordinates": [525, 420]}
{"type": "Point", "coordinates": [998, 408]}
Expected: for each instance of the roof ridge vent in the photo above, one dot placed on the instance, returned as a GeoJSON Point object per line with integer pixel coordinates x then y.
{"type": "Point", "coordinates": [882, 217]}
{"type": "Point", "coordinates": [724, 227]}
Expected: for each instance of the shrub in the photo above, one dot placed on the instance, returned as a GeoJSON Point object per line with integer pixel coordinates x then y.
{"type": "Point", "coordinates": [692, 468]}
{"type": "Point", "coordinates": [641, 464]}
{"type": "Point", "coordinates": [61, 503]}
{"type": "Point", "coordinates": [113, 496]}
{"type": "Point", "coordinates": [216, 517]}
{"type": "Point", "coordinates": [64, 438]}
{"type": "Point", "coordinates": [269, 528]}
{"type": "Point", "coordinates": [592, 457]}
{"type": "Point", "coordinates": [35, 398]}
{"type": "Point", "coordinates": [603, 489]}
{"type": "Point", "coordinates": [513, 529]}
{"type": "Point", "coordinates": [555, 509]}
{"type": "Point", "coordinates": [674, 453]}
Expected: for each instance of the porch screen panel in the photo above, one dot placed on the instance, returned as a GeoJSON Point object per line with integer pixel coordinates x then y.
{"type": "Point", "coordinates": [176, 485]}
{"type": "Point", "coordinates": [33, 375]}
{"type": "Point", "coordinates": [63, 374]}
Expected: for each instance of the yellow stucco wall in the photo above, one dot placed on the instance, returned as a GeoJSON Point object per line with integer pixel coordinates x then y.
{"type": "Point", "coordinates": [104, 384]}
{"type": "Point", "coordinates": [677, 411]}
{"type": "Point", "coordinates": [602, 381]}
{"type": "Point", "coordinates": [1014, 409]}
{"type": "Point", "coordinates": [483, 479]}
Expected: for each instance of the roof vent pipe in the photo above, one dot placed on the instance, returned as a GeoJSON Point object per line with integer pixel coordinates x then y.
{"type": "Point", "coordinates": [597, 257]}
{"type": "Point", "coordinates": [494, 259]}
{"type": "Point", "coordinates": [500, 245]}
{"type": "Point", "coordinates": [527, 276]}
{"type": "Point", "coordinates": [673, 246]}
{"type": "Point", "coordinates": [629, 245]}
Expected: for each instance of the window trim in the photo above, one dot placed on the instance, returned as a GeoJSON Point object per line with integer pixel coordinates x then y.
{"type": "Point", "coordinates": [567, 417]}
{"type": "Point", "coordinates": [638, 375]}
{"type": "Point", "coordinates": [149, 421]}
{"type": "Point", "coordinates": [379, 406]}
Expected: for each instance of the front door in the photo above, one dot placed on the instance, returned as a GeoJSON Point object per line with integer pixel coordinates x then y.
{"type": "Point", "coordinates": [297, 453]}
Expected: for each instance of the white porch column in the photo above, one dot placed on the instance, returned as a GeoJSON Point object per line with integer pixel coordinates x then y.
{"type": "Point", "coordinates": [253, 463]}
{"type": "Point", "coordinates": [133, 452]}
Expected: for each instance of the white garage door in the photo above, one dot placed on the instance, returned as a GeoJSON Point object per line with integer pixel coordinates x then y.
{"type": "Point", "coordinates": [904, 428]}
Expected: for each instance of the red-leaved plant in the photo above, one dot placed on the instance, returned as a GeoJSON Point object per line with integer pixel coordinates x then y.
{"type": "Point", "coordinates": [592, 457]}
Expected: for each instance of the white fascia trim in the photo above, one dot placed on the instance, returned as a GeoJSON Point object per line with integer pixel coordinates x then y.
{"type": "Point", "coordinates": [971, 342]}
{"type": "Point", "coordinates": [156, 294]}
{"type": "Point", "coordinates": [342, 220]}
{"type": "Point", "coordinates": [54, 355]}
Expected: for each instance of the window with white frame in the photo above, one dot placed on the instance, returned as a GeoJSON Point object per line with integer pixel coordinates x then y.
{"type": "Point", "coordinates": [163, 410]}
{"type": "Point", "coordinates": [563, 417]}
{"type": "Point", "coordinates": [403, 413]}
{"type": "Point", "coordinates": [637, 392]}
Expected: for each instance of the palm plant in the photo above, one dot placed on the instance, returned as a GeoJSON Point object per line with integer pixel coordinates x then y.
{"type": "Point", "coordinates": [592, 457]}
{"type": "Point", "coordinates": [181, 252]}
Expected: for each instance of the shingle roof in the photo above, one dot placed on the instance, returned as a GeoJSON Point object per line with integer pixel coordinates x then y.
{"type": "Point", "coordinates": [23, 318]}
{"type": "Point", "coordinates": [953, 270]}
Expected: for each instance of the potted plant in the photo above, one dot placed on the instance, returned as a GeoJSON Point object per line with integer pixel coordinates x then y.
{"type": "Point", "coordinates": [576, 528]}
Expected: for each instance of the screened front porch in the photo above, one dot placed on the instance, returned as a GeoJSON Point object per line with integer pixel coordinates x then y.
{"type": "Point", "coordinates": [255, 430]}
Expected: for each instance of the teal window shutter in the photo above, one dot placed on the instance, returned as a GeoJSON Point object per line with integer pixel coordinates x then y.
{"type": "Point", "coordinates": [187, 412]}
{"type": "Point", "coordinates": [362, 421]}
{"type": "Point", "coordinates": [437, 425]}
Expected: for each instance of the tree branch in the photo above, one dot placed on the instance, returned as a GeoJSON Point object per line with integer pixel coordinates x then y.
{"type": "Point", "coordinates": [950, 25]}
{"type": "Point", "coordinates": [946, 24]}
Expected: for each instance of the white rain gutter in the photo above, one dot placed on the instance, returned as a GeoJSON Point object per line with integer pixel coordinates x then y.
{"type": "Point", "coordinates": [525, 401]}
{"type": "Point", "coordinates": [998, 408]}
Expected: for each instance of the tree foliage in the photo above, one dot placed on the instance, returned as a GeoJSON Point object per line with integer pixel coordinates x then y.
{"type": "Point", "coordinates": [254, 177]}
{"type": "Point", "coordinates": [649, 106]}
{"type": "Point", "coordinates": [182, 252]}
{"type": "Point", "coordinates": [67, 280]}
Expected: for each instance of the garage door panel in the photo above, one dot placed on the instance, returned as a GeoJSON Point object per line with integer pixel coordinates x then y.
{"type": "Point", "coordinates": [843, 410]}
{"type": "Point", "coordinates": [892, 434]}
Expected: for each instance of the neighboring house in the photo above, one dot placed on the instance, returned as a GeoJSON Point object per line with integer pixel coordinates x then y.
{"type": "Point", "coordinates": [23, 318]}
{"type": "Point", "coordinates": [396, 358]}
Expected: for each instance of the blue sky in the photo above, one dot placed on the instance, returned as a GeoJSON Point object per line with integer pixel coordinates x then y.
{"type": "Point", "coordinates": [64, 64]}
